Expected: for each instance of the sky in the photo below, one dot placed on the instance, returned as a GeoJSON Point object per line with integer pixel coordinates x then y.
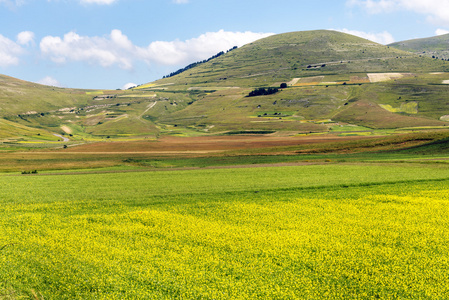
{"type": "Point", "coordinates": [114, 44]}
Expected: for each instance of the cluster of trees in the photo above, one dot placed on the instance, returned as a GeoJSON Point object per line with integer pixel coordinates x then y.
{"type": "Point", "coordinates": [29, 172]}
{"type": "Point", "coordinates": [436, 57]}
{"type": "Point", "coordinates": [263, 91]}
{"type": "Point", "coordinates": [310, 66]}
{"type": "Point", "coordinates": [198, 63]}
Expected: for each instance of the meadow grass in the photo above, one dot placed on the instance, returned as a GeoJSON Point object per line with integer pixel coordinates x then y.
{"type": "Point", "coordinates": [411, 147]}
{"type": "Point", "coordinates": [309, 232]}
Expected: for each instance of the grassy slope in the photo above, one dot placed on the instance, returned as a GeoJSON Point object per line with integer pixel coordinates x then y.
{"type": "Point", "coordinates": [424, 91]}
{"type": "Point", "coordinates": [20, 97]}
{"type": "Point", "coordinates": [434, 46]}
{"type": "Point", "coordinates": [49, 108]}
{"type": "Point", "coordinates": [13, 130]}
{"type": "Point", "coordinates": [84, 112]}
{"type": "Point", "coordinates": [261, 64]}
{"type": "Point", "coordinates": [303, 108]}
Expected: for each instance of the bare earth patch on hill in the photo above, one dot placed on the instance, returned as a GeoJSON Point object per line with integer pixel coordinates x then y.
{"type": "Point", "coordinates": [66, 129]}
{"type": "Point", "coordinates": [380, 77]}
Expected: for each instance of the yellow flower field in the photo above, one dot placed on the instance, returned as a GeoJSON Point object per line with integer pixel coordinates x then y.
{"type": "Point", "coordinates": [366, 240]}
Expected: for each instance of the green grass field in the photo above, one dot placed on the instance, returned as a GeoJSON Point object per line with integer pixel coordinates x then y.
{"type": "Point", "coordinates": [348, 231]}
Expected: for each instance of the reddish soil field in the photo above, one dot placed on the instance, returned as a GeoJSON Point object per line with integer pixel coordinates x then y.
{"type": "Point", "coordinates": [204, 144]}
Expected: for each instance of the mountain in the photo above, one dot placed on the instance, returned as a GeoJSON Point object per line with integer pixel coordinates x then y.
{"type": "Point", "coordinates": [302, 54]}
{"type": "Point", "coordinates": [335, 82]}
{"type": "Point", "coordinates": [328, 73]}
{"type": "Point", "coordinates": [436, 47]}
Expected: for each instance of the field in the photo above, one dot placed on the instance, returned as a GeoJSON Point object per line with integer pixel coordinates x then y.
{"type": "Point", "coordinates": [336, 187]}
{"type": "Point", "coordinates": [346, 231]}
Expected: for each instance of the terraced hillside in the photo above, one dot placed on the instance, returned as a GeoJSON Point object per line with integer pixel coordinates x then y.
{"type": "Point", "coordinates": [335, 82]}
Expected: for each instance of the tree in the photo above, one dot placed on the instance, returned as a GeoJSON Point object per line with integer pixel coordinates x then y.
{"type": "Point", "coordinates": [263, 92]}
{"type": "Point", "coordinates": [283, 85]}
{"type": "Point", "coordinates": [192, 65]}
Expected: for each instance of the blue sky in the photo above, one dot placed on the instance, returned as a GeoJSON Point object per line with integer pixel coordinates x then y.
{"type": "Point", "coordinates": [109, 44]}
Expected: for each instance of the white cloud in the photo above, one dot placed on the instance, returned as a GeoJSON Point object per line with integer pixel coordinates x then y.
{"type": "Point", "coordinates": [25, 38]}
{"type": "Point", "coordinates": [9, 52]}
{"type": "Point", "coordinates": [178, 52]}
{"type": "Point", "coordinates": [180, 1]}
{"type": "Point", "coordinates": [50, 81]}
{"type": "Point", "coordinates": [116, 49]}
{"type": "Point", "coordinates": [129, 85]}
{"type": "Point", "coordinates": [437, 11]}
{"type": "Point", "coordinates": [380, 37]}
{"type": "Point", "coordinates": [440, 31]}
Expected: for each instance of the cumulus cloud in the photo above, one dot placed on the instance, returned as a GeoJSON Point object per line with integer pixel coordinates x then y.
{"type": "Point", "coordinates": [25, 38]}
{"type": "Point", "coordinates": [380, 37]}
{"type": "Point", "coordinates": [116, 49]}
{"type": "Point", "coordinates": [50, 81]}
{"type": "Point", "coordinates": [440, 31]}
{"type": "Point", "coordinates": [104, 51]}
{"type": "Point", "coordinates": [204, 46]}
{"type": "Point", "coordinates": [437, 11]}
{"type": "Point", "coordinates": [129, 85]}
{"type": "Point", "coordinates": [9, 52]}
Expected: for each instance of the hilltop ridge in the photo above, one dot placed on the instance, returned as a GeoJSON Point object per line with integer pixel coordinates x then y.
{"type": "Point", "coordinates": [436, 47]}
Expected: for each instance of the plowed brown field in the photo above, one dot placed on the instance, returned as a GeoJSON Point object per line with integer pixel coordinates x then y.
{"type": "Point", "coordinates": [204, 144]}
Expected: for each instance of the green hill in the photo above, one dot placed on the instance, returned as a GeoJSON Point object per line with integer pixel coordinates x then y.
{"type": "Point", "coordinates": [302, 54]}
{"type": "Point", "coordinates": [328, 72]}
{"type": "Point", "coordinates": [436, 47]}
{"type": "Point", "coordinates": [336, 82]}
{"type": "Point", "coordinates": [20, 97]}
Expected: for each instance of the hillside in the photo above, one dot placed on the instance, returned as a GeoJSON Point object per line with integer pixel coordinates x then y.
{"type": "Point", "coordinates": [302, 54]}
{"type": "Point", "coordinates": [327, 72]}
{"type": "Point", "coordinates": [337, 83]}
{"type": "Point", "coordinates": [436, 47]}
{"type": "Point", "coordinates": [19, 97]}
